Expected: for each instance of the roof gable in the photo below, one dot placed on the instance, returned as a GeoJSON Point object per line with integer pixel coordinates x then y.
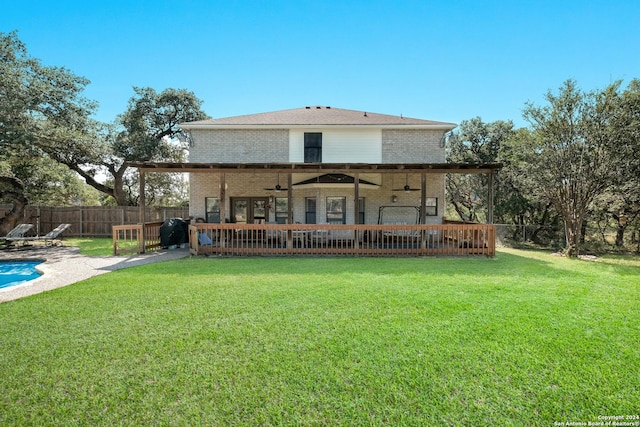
{"type": "Point", "coordinates": [316, 116]}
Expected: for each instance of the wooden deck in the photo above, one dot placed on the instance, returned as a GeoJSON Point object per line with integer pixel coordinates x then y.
{"type": "Point", "coordinates": [342, 240]}
{"type": "Point", "coordinates": [316, 239]}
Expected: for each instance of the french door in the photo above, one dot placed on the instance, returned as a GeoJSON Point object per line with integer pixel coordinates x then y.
{"type": "Point", "coordinates": [249, 210]}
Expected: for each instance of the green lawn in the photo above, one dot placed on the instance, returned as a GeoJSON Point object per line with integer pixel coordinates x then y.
{"type": "Point", "coordinates": [525, 338]}
{"type": "Point", "coordinates": [92, 246]}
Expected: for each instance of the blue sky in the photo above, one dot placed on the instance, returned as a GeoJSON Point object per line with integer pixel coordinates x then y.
{"type": "Point", "coordinates": [438, 60]}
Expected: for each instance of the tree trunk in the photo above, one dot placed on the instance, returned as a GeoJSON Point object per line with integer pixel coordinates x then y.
{"type": "Point", "coordinates": [620, 236]}
{"type": "Point", "coordinates": [573, 231]}
{"type": "Point", "coordinates": [118, 186]}
{"type": "Point", "coordinates": [12, 189]}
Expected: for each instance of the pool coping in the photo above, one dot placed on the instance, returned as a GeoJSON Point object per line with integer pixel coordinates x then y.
{"type": "Point", "coordinates": [64, 265]}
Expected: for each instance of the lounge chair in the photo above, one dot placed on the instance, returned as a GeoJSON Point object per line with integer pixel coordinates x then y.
{"type": "Point", "coordinates": [54, 234]}
{"type": "Point", "coordinates": [47, 238]}
{"type": "Point", "coordinates": [18, 233]}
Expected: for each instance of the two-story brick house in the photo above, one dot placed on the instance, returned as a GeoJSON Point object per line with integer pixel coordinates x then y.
{"type": "Point", "coordinates": [322, 180]}
{"type": "Point", "coordinates": [317, 135]}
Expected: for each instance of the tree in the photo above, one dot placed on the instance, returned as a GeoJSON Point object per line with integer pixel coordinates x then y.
{"type": "Point", "coordinates": [49, 183]}
{"type": "Point", "coordinates": [144, 132]}
{"type": "Point", "coordinates": [517, 202]}
{"type": "Point", "coordinates": [12, 190]}
{"type": "Point", "coordinates": [621, 203]}
{"type": "Point", "coordinates": [570, 161]}
{"type": "Point", "coordinates": [474, 141]}
{"type": "Point", "coordinates": [37, 104]}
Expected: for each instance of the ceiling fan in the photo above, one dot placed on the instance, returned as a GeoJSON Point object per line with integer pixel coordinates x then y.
{"type": "Point", "coordinates": [406, 187]}
{"type": "Point", "coordinates": [278, 187]}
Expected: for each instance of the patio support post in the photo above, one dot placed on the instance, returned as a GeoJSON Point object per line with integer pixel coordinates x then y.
{"type": "Point", "coordinates": [423, 207]}
{"type": "Point", "coordinates": [223, 196]}
{"type": "Point", "coordinates": [223, 208]}
{"type": "Point", "coordinates": [289, 198]}
{"type": "Point", "coordinates": [141, 215]}
{"type": "Point", "coordinates": [491, 196]}
{"type": "Point", "coordinates": [356, 208]}
{"type": "Point", "coordinates": [289, 209]}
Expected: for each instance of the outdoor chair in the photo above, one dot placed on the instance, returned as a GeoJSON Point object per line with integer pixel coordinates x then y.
{"type": "Point", "coordinates": [18, 233]}
{"type": "Point", "coordinates": [54, 234]}
{"type": "Point", "coordinates": [204, 239]}
{"type": "Point", "coordinates": [48, 238]}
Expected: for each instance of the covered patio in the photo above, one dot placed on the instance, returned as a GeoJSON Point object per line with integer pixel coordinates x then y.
{"type": "Point", "coordinates": [289, 238]}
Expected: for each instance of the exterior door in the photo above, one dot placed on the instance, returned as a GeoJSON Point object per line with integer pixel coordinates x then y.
{"type": "Point", "coordinates": [249, 210]}
{"type": "Point", "coordinates": [240, 210]}
{"type": "Point", "coordinates": [259, 212]}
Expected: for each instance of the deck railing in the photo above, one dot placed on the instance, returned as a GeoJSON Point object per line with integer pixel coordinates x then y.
{"type": "Point", "coordinates": [129, 239]}
{"type": "Point", "coordinates": [340, 240]}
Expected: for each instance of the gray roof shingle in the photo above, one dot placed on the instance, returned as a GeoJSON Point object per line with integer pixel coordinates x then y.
{"type": "Point", "coordinates": [317, 115]}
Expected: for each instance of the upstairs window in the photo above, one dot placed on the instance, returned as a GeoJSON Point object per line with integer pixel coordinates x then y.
{"type": "Point", "coordinates": [312, 147]}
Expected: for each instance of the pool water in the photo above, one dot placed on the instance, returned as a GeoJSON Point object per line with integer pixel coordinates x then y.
{"type": "Point", "coordinates": [16, 272]}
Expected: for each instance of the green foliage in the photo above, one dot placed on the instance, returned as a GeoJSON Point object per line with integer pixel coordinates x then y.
{"type": "Point", "coordinates": [53, 184]}
{"type": "Point", "coordinates": [43, 114]}
{"type": "Point", "coordinates": [152, 121]}
{"type": "Point", "coordinates": [522, 339]}
{"type": "Point", "coordinates": [571, 157]}
{"type": "Point", "coordinates": [41, 106]}
{"type": "Point", "coordinates": [474, 141]}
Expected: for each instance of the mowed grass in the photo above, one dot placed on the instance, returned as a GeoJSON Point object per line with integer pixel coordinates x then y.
{"type": "Point", "coordinates": [93, 246]}
{"type": "Point", "coordinates": [524, 338]}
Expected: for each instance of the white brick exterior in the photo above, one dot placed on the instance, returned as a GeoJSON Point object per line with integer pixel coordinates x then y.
{"type": "Point", "coordinates": [412, 146]}
{"type": "Point", "coordinates": [358, 145]}
{"type": "Point", "coordinates": [240, 145]}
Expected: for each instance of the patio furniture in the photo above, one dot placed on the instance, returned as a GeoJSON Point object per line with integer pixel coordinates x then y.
{"type": "Point", "coordinates": [48, 238]}
{"type": "Point", "coordinates": [54, 234]}
{"type": "Point", "coordinates": [18, 233]}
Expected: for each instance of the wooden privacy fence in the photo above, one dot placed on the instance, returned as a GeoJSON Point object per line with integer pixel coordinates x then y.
{"type": "Point", "coordinates": [92, 221]}
{"type": "Point", "coordinates": [338, 240]}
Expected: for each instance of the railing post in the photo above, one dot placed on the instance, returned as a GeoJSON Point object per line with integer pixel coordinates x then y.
{"type": "Point", "coordinates": [140, 234]}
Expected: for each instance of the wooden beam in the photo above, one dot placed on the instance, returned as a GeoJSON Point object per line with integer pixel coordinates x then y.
{"type": "Point", "coordinates": [223, 196]}
{"type": "Point", "coordinates": [142, 211]}
{"type": "Point", "coordinates": [423, 207]}
{"type": "Point", "coordinates": [465, 168]}
{"type": "Point", "coordinates": [423, 198]}
{"type": "Point", "coordinates": [490, 202]}
{"type": "Point", "coordinates": [356, 201]}
{"type": "Point", "coordinates": [289, 198]}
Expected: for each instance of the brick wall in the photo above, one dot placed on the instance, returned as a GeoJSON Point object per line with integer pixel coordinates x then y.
{"type": "Point", "coordinates": [412, 146]}
{"type": "Point", "coordinates": [240, 145]}
{"type": "Point", "coordinates": [252, 185]}
{"type": "Point", "coordinates": [272, 145]}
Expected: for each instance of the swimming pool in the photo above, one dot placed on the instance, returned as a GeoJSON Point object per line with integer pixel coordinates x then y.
{"type": "Point", "coordinates": [16, 272]}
